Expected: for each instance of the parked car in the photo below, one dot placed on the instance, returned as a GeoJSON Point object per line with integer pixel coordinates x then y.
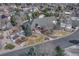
{"type": "Point", "coordinates": [74, 41]}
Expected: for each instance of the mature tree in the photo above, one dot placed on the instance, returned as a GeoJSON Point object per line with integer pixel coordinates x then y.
{"type": "Point", "coordinates": [27, 29]}
{"type": "Point", "coordinates": [32, 51]}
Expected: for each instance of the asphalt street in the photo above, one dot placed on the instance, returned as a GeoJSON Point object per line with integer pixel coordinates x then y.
{"type": "Point", "coordinates": [64, 42]}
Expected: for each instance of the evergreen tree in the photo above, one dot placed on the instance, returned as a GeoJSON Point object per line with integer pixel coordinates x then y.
{"type": "Point", "coordinates": [27, 29]}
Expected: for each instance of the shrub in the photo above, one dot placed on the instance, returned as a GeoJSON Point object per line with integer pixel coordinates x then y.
{"type": "Point", "coordinates": [27, 29]}
{"type": "Point", "coordinates": [59, 51]}
{"type": "Point", "coordinates": [35, 14]}
{"type": "Point", "coordinates": [13, 20]}
{"type": "Point", "coordinates": [9, 46]}
{"type": "Point", "coordinates": [28, 17]}
{"type": "Point", "coordinates": [31, 52]}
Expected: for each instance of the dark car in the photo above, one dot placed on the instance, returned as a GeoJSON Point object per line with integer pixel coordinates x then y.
{"type": "Point", "coordinates": [74, 41]}
{"type": "Point", "coordinates": [3, 16]}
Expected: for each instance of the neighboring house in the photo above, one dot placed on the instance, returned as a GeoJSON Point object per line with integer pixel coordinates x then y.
{"type": "Point", "coordinates": [66, 23]}
{"type": "Point", "coordinates": [69, 23]}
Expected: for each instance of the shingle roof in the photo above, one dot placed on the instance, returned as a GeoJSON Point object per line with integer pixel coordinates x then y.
{"type": "Point", "coordinates": [44, 22]}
